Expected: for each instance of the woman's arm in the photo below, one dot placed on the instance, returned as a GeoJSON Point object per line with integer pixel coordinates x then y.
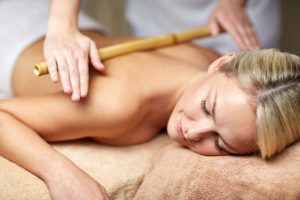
{"type": "Point", "coordinates": [111, 112]}
{"type": "Point", "coordinates": [105, 114]}
{"type": "Point", "coordinates": [108, 114]}
{"type": "Point", "coordinates": [22, 145]}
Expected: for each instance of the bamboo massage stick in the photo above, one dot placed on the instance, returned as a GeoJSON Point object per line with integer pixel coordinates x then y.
{"type": "Point", "coordinates": [139, 45]}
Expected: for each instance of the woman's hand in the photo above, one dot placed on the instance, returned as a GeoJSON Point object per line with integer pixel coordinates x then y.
{"type": "Point", "coordinates": [74, 184]}
{"type": "Point", "coordinates": [231, 16]}
{"type": "Point", "coordinates": [68, 52]}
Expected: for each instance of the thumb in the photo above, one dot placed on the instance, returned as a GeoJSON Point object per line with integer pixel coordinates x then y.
{"type": "Point", "coordinates": [94, 57]}
{"type": "Point", "coordinates": [214, 26]}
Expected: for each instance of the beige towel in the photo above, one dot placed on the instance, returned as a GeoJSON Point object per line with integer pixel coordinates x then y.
{"type": "Point", "coordinates": [180, 174]}
{"type": "Point", "coordinates": [119, 169]}
{"type": "Point", "coordinates": [177, 173]}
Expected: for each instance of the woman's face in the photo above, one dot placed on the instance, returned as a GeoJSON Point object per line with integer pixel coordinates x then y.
{"type": "Point", "coordinates": [214, 117]}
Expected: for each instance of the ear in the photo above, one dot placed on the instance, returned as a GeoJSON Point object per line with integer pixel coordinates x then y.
{"type": "Point", "coordinates": [214, 66]}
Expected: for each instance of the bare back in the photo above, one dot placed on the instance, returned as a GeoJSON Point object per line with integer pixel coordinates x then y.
{"type": "Point", "coordinates": [130, 100]}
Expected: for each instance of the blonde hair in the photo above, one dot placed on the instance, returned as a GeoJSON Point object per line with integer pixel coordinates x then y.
{"type": "Point", "coordinates": [272, 79]}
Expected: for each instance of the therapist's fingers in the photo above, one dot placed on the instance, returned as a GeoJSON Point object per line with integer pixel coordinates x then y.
{"type": "Point", "coordinates": [235, 21]}
{"type": "Point", "coordinates": [52, 67]}
{"type": "Point", "coordinates": [74, 76]}
{"type": "Point", "coordinates": [64, 73]}
{"type": "Point", "coordinates": [253, 37]}
{"type": "Point", "coordinates": [83, 69]}
{"type": "Point", "coordinates": [94, 56]}
{"type": "Point", "coordinates": [246, 32]}
{"type": "Point", "coordinates": [51, 61]}
{"type": "Point", "coordinates": [218, 20]}
{"type": "Point", "coordinates": [235, 30]}
{"type": "Point", "coordinates": [242, 32]}
{"type": "Point", "coordinates": [213, 25]}
{"type": "Point", "coordinates": [67, 54]}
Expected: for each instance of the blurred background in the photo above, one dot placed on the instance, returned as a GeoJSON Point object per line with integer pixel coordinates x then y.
{"type": "Point", "coordinates": [111, 14]}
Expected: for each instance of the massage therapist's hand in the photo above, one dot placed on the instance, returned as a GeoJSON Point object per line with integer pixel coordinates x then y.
{"type": "Point", "coordinates": [230, 15]}
{"type": "Point", "coordinates": [68, 53]}
{"type": "Point", "coordinates": [74, 184]}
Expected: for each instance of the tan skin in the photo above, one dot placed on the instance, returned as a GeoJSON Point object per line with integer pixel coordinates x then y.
{"type": "Point", "coordinates": [67, 49]}
{"type": "Point", "coordinates": [126, 105]}
{"type": "Point", "coordinates": [136, 96]}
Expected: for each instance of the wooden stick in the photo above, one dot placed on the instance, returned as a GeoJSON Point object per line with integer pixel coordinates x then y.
{"type": "Point", "coordinates": [139, 45]}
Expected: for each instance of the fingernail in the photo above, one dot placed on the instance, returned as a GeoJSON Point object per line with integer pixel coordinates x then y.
{"type": "Point", "coordinates": [67, 89]}
{"type": "Point", "coordinates": [75, 97]}
{"type": "Point", "coordinates": [214, 30]}
{"type": "Point", "coordinates": [54, 79]}
{"type": "Point", "coordinates": [100, 65]}
{"type": "Point", "coordinates": [84, 93]}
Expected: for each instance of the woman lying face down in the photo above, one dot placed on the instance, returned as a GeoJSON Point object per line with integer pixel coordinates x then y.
{"type": "Point", "coordinates": [244, 103]}
{"type": "Point", "coordinates": [251, 102]}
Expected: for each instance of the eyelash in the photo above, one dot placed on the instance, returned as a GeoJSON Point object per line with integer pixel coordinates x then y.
{"type": "Point", "coordinates": [217, 146]}
{"type": "Point", "coordinates": [203, 107]}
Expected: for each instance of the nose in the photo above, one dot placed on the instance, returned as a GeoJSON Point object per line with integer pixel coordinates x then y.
{"type": "Point", "coordinates": [199, 131]}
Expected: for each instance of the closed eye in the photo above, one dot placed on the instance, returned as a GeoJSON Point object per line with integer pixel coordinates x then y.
{"type": "Point", "coordinates": [217, 145]}
{"type": "Point", "coordinates": [203, 107]}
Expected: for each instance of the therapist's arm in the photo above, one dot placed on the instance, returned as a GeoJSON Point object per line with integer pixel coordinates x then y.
{"type": "Point", "coordinates": [67, 51]}
{"type": "Point", "coordinates": [231, 16]}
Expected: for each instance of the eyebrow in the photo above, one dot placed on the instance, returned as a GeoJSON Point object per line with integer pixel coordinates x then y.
{"type": "Point", "coordinates": [213, 116]}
